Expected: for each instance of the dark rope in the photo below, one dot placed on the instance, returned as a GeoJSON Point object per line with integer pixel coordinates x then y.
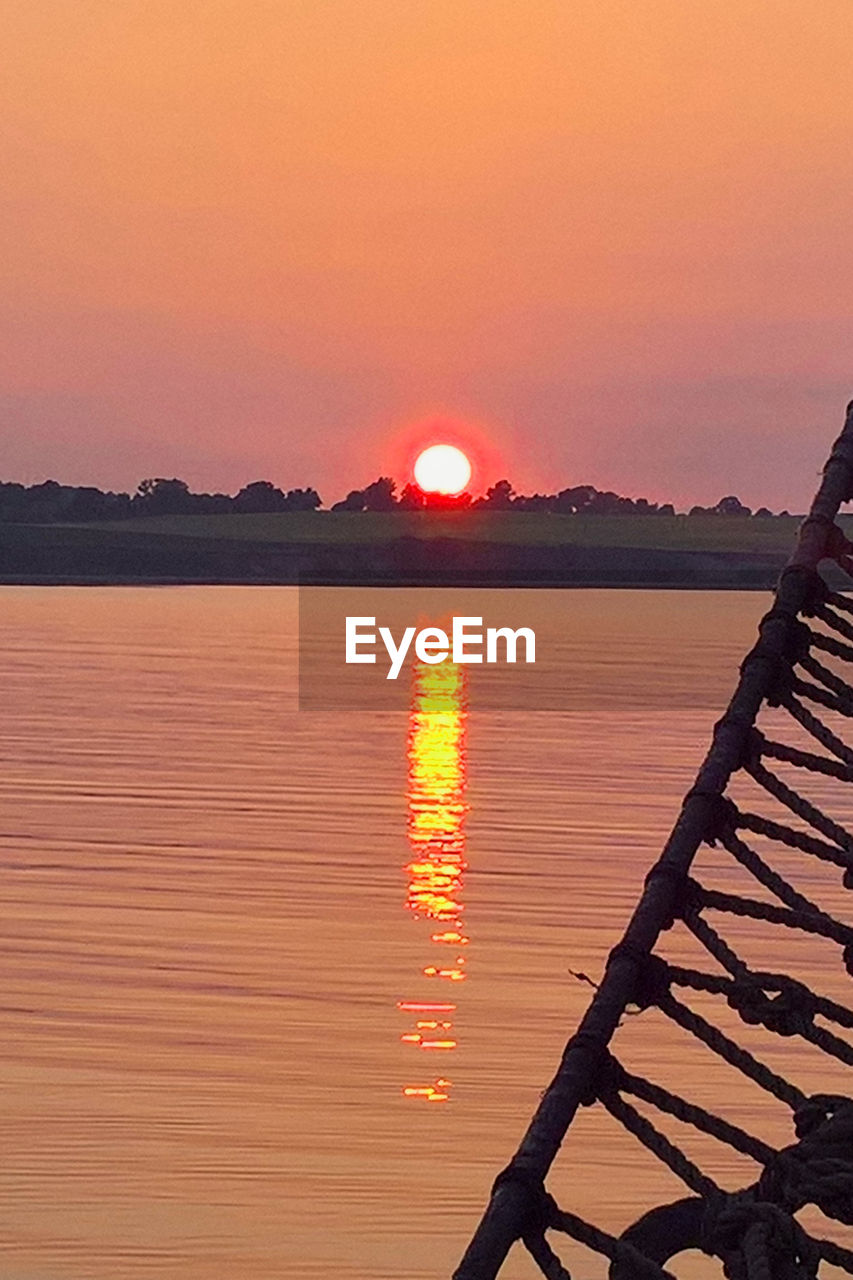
{"type": "Point", "coordinates": [829, 644]}
{"type": "Point", "coordinates": [604, 1243]}
{"type": "Point", "coordinates": [717, 984]}
{"type": "Point", "coordinates": [753, 1231]}
{"type": "Point", "coordinates": [731, 1052]}
{"type": "Point", "coordinates": [772, 880]}
{"type": "Point", "coordinates": [798, 840]}
{"type": "Point", "coordinates": [691, 1113]}
{"type": "Point", "coordinates": [841, 625]}
{"type": "Point", "coordinates": [816, 728]}
{"type": "Point", "coordinates": [801, 807]}
{"type": "Point", "coordinates": [803, 759]}
{"type": "Point", "coordinates": [832, 702]}
{"type": "Point", "coordinates": [827, 677]}
{"type": "Point", "coordinates": [656, 1142]}
{"type": "Point", "coordinates": [758, 1240]}
{"type": "Point", "coordinates": [816, 922]}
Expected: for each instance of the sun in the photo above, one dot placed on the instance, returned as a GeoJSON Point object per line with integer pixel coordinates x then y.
{"type": "Point", "coordinates": [442, 468]}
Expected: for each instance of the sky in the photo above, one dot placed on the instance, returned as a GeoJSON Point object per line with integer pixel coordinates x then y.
{"type": "Point", "coordinates": [247, 239]}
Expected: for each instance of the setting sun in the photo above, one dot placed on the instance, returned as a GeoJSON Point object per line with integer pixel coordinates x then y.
{"type": "Point", "coordinates": [442, 468]}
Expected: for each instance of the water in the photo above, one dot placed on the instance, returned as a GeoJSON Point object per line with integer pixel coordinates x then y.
{"type": "Point", "coordinates": [214, 960]}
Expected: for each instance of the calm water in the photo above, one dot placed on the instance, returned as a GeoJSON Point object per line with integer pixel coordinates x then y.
{"type": "Point", "coordinates": [280, 990]}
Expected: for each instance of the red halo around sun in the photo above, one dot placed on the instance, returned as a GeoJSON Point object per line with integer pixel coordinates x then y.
{"type": "Point", "coordinates": [407, 445]}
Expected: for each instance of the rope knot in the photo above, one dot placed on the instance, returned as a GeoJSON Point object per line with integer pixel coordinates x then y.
{"type": "Point", "coordinates": [817, 1110]}
{"type": "Point", "coordinates": [783, 641]}
{"type": "Point", "coordinates": [811, 590]}
{"type": "Point", "coordinates": [539, 1203]}
{"type": "Point", "coordinates": [757, 1240]}
{"type": "Point", "coordinates": [818, 1169]}
{"type": "Point", "coordinates": [722, 815]}
{"type": "Point", "coordinates": [796, 1177]}
{"type": "Point", "coordinates": [660, 873]}
{"type": "Point", "coordinates": [538, 1212]}
{"type": "Point", "coordinates": [606, 1079]}
{"type": "Point", "coordinates": [797, 637]}
{"type": "Point", "coordinates": [838, 547]}
{"type": "Point", "coordinates": [652, 977]}
{"type": "Point", "coordinates": [740, 731]}
{"type": "Point", "coordinates": [788, 1013]}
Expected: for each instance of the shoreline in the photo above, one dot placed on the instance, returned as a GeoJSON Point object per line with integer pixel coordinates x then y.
{"type": "Point", "coordinates": [595, 554]}
{"type": "Point", "coordinates": [498, 585]}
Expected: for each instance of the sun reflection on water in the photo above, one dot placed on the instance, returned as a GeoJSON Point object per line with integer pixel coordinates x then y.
{"type": "Point", "coordinates": [436, 818]}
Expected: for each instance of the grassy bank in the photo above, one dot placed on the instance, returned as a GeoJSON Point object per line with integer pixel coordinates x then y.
{"type": "Point", "coordinates": [414, 548]}
{"type": "Point", "coordinates": [665, 533]}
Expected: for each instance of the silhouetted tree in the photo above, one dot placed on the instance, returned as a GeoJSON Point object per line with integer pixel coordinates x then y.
{"type": "Point", "coordinates": [51, 501]}
{"type": "Point", "coordinates": [118, 506]}
{"type": "Point", "coordinates": [572, 501]}
{"type": "Point", "coordinates": [608, 504]}
{"type": "Point", "coordinates": [732, 506]}
{"type": "Point", "coordinates": [412, 498]}
{"type": "Point", "coordinates": [354, 501]}
{"type": "Point", "coordinates": [259, 497]}
{"type": "Point", "coordinates": [48, 501]}
{"type": "Point", "coordinates": [13, 502]}
{"type": "Point", "coordinates": [379, 496]}
{"type": "Point", "coordinates": [302, 500]}
{"type": "Point", "coordinates": [160, 497]}
{"type": "Point", "coordinates": [212, 504]}
{"type": "Point", "coordinates": [533, 502]}
{"type": "Point", "coordinates": [88, 503]}
{"type": "Point", "coordinates": [499, 497]}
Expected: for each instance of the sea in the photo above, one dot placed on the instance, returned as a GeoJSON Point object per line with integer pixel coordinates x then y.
{"type": "Point", "coordinates": [281, 985]}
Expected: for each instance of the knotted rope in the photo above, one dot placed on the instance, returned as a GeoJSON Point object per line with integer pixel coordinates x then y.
{"type": "Point", "coordinates": [753, 1231]}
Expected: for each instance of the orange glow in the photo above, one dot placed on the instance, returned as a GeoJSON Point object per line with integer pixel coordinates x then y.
{"type": "Point", "coordinates": [427, 1092]}
{"type": "Point", "coordinates": [437, 810]}
{"type": "Point", "coordinates": [415, 1006]}
{"type": "Point", "coordinates": [454, 975]}
{"type": "Point", "coordinates": [361, 211]}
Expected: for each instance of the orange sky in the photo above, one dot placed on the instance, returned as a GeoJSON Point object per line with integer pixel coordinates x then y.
{"type": "Point", "coordinates": [246, 238]}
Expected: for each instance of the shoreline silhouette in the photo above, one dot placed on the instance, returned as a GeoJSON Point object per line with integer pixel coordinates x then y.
{"type": "Point", "coordinates": [460, 549]}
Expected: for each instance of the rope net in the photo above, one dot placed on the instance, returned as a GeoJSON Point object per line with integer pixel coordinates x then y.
{"type": "Point", "coordinates": [780, 758]}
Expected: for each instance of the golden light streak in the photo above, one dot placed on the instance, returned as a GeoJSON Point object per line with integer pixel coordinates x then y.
{"type": "Point", "coordinates": [436, 817]}
{"type": "Point", "coordinates": [416, 1006]}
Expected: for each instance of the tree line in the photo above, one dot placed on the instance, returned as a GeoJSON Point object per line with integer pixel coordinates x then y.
{"type": "Point", "coordinates": [582, 499]}
{"type": "Point", "coordinates": [50, 501]}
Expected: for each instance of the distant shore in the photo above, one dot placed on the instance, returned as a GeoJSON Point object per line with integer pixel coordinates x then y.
{"type": "Point", "coordinates": [359, 549]}
{"type": "Point", "coordinates": [405, 562]}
